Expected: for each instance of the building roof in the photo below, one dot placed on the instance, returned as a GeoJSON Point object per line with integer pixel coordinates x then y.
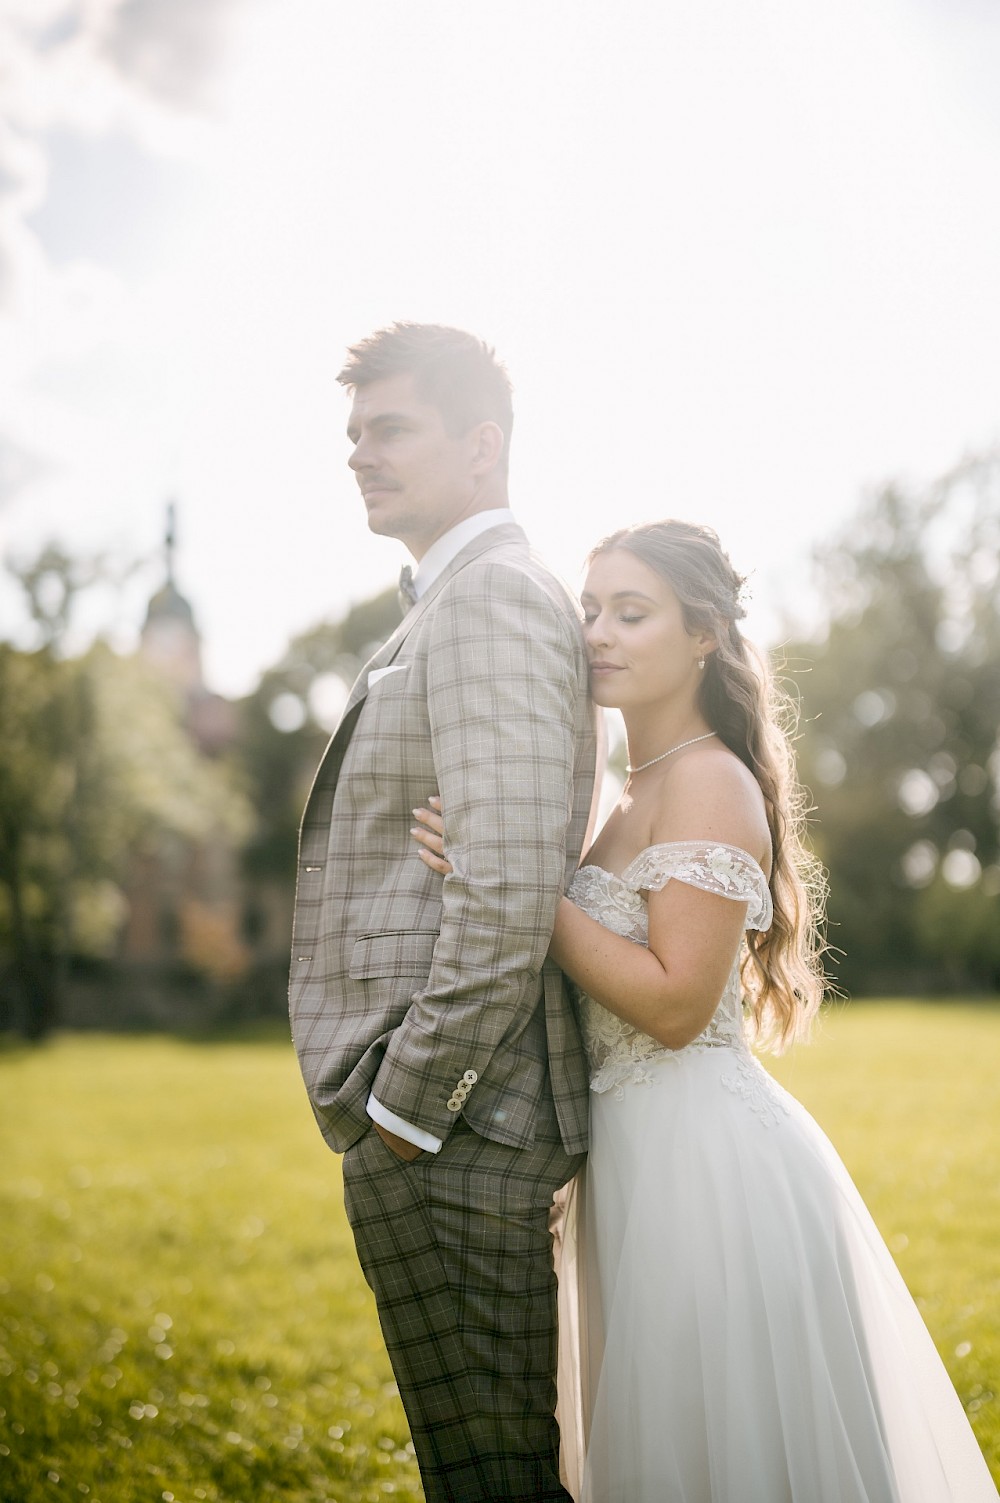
{"type": "Point", "coordinates": [168, 604]}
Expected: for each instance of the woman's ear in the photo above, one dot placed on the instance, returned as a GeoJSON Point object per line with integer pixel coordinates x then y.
{"type": "Point", "coordinates": [706, 643]}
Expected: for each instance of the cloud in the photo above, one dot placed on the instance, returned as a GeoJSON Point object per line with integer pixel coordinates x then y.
{"type": "Point", "coordinates": [106, 117]}
{"type": "Point", "coordinates": [149, 70]}
{"type": "Point", "coordinates": [95, 65]}
{"type": "Point", "coordinates": [18, 468]}
{"type": "Point", "coordinates": [23, 177]}
{"type": "Point", "coordinates": [173, 50]}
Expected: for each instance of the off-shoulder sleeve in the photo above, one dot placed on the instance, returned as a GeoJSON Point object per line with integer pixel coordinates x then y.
{"type": "Point", "coordinates": [725, 870]}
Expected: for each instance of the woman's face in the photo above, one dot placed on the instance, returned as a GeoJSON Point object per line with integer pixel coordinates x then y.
{"type": "Point", "coordinates": [639, 649]}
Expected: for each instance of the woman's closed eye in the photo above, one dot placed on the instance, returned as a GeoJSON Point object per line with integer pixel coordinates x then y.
{"type": "Point", "coordinates": [626, 620]}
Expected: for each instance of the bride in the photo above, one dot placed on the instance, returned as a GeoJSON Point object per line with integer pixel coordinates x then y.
{"type": "Point", "coordinates": [733, 1328]}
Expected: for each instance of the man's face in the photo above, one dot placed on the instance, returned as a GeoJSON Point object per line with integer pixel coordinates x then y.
{"type": "Point", "coordinates": [416, 479]}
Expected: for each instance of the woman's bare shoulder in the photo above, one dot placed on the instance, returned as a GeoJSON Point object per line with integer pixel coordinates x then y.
{"type": "Point", "coordinates": [712, 795]}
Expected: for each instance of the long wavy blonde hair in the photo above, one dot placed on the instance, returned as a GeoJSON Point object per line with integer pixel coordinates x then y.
{"type": "Point", "coordinates": [782, 970]}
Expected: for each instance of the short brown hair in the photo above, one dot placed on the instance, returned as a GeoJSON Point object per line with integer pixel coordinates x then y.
{"type": "Point", "coordinates": [457, 373]}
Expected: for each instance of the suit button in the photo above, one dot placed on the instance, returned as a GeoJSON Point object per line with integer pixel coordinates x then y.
{"type": "Point", "coordinates": [470, 1077]}
{"type": "Point", "coordinates": [454, 1105]}
{"type": "Point", "coordinates": [461, 1091]}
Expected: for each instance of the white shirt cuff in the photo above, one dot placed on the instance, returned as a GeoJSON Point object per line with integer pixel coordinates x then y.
{"type": "Point", "coordinates": [415, 1135]}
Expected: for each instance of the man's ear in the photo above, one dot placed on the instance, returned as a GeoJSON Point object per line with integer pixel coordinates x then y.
{"type": "Point", "coordinates": [487, 446]}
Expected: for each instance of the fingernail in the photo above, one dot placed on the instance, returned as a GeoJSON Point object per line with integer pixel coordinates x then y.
{"type": "Point", "coordinates": [417, 812]}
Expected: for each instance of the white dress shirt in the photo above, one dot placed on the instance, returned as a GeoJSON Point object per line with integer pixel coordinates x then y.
{"type": "Point", "coordinates": [434, 562]}
{"type": "Point", "coordinates": [450, 544]}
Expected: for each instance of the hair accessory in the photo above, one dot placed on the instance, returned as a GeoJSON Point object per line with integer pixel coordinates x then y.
{"type": "Point", "coordinates": [741, 595]}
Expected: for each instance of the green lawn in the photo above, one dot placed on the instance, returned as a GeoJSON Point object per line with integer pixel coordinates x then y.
{"type": "Point", "coordinates": [182, 1317]}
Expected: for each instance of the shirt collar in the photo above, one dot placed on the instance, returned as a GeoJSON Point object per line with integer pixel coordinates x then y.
{"type": "Point", "coordinates": [440, 554]}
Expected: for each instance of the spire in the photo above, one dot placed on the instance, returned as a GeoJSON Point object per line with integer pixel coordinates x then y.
{"type": "Point", "coordinates": [168, 600]}
{"type": "Point", "coordinates": [170, 541]}
{"type": "Point", "coordinates": [170, 639]}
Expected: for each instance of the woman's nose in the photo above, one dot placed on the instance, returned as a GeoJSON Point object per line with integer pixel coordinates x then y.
{"type": "Point", "coordinates": [595, 631]}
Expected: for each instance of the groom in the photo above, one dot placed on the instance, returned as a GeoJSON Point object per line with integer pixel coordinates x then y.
{"type": "Point", "coordinates": [437, 1042]}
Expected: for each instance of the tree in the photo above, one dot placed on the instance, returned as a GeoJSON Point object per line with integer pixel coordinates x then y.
{"type": "Point", "coordinates": [98, 767]}
{"type": "Point", "coordinates": [285, 724]}
{"type": "Point", "coordinates": [899, 743]}
{"type": "Point", "coordinates": [128, 834]}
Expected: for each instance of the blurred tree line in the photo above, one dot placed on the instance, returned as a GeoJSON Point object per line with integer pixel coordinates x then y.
{"type": "Point", "coordinates": [115, 794]}
{"type": "Point", "coordinates": [102, 777]}
{"type": "Point", "coordinates": [900, 735]}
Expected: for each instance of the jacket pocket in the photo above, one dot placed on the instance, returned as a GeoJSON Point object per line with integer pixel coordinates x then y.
{"type": "Point", "coordinates": [408, 952]}
{"type": "Point", "coordinates": [376, 675]}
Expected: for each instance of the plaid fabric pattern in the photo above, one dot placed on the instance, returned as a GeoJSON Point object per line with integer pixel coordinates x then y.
{"type": "Point", "coordinates": [456, 1246]}
{"type": "Point", "coordinates": [439, 997]}
{"type": "Point", "coordinates": [403, 984]}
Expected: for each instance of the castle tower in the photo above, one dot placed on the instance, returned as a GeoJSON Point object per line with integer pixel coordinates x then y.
{"type": "Point", "coordinates": [169, 640]}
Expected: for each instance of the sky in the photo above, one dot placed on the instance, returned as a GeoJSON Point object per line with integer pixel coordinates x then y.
{"type": "Point", "coordinates": [740, 261]}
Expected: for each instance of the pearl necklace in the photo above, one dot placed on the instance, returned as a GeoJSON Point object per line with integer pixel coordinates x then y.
{"type": "Point", "coordinates": [679, 747]}
{"type": "Point", "coordinates": [631, 771]}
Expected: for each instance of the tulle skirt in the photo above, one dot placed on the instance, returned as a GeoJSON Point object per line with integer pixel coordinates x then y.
{"type": "Point", "coordinates": [733, 1328]}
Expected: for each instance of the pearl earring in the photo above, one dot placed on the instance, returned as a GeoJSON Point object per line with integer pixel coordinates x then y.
{"type": "Point", "coordinates": [701, 663]}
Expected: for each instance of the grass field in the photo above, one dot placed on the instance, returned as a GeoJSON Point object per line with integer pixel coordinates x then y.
{"type": "Point", "coordinates": [182, 1317]}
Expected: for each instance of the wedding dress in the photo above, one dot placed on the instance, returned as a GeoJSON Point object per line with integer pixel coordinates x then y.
{"type": "Point", "coordinates": [733, 1327]}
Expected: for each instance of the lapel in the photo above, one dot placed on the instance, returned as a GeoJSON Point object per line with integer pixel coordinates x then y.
{"type": "Point", "coordinates": [508, 532]}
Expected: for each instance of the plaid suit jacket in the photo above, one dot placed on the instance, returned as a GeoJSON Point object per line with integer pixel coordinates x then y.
{"type": "Point", "coordinates": [407, 985]}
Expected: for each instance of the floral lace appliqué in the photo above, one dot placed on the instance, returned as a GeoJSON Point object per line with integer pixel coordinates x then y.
{"type": "Point", "coordinates": [749, 1079]}
{"type": "Point", "coordinates": [619, 1054]}
{"type": "Point", "coordinates": [723, 869]}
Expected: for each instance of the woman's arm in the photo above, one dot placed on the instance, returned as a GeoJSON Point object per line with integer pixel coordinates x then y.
{"type": "Point", "coordinates": [670, 990]}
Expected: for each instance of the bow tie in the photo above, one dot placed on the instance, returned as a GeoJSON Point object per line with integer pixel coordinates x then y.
{"type": "Point", "coordinates": [407, 589]}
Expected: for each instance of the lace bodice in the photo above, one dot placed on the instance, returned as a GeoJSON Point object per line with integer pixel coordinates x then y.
{"type": "Point", "coordinates": [618, 1053]}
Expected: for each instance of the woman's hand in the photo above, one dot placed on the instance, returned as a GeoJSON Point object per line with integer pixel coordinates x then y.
{"type": "Point", "coordinates": [429, 835]}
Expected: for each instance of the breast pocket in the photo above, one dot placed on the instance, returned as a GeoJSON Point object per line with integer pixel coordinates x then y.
{"type": "Point", "coordinates": [378, 675]}
{"type": "Point", "coordinates": [404, 953]}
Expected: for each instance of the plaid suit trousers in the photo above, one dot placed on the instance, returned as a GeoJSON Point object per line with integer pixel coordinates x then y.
{"type": "Point", "coordinates": [457, 1249]}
